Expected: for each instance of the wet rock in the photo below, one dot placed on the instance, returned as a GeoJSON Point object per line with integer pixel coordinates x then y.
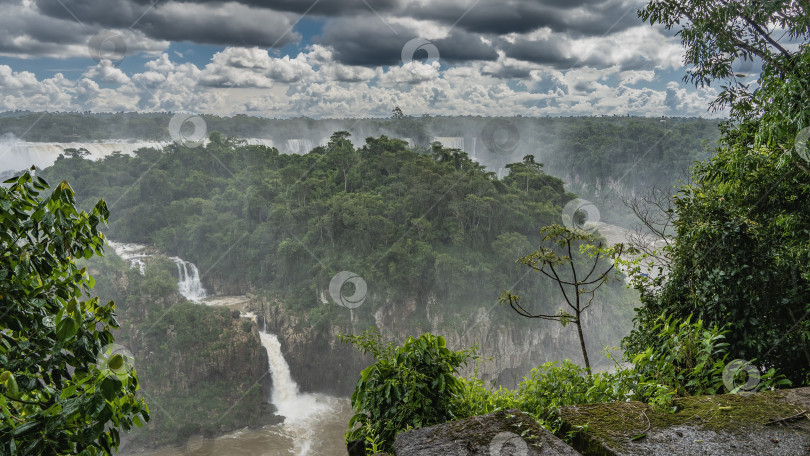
{"type": "Point", "coordinates": [504, 433]}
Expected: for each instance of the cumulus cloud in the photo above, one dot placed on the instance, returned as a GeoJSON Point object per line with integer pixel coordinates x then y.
{"type": "Point", "coordinates": [314, 84]}
{"type": "Point", "coordinates": [105, 71]}
{"type": "Point", "coordinates": [495, 57]}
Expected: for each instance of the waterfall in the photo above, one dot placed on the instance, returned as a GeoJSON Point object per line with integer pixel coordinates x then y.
{"type": "Point", "coordinates": [299, 146]}
{"type": "Point", "coordinates": [451, 142]}
{"type": "Point", "coordinates": [292, 405]}
{"type": "Point", "coordinates": [301, 412]}
{"type": "Point", "coordinates": [132, 253]}
{"type": "Point", "coordinates": [259, 142]}
{"type": "Point", "coordinates": [189, 284]}
{"type": "Point", "coordinates": [16, 154]}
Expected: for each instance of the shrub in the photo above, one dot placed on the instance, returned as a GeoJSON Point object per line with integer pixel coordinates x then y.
{"type": "Point", "coordinates": [411, 386]}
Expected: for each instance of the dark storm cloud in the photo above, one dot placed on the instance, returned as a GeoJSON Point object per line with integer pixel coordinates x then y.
{"type": "Point", "coordinates": [546, 52]}
{"type": "Point", "coordinates": [585, 17]}
{"type": "Point", "coordinates": [508, 72]}
{"type": "Point", "coordinates": [356, 30]}
{"type": "Point", "coordinates": [234, 24]}
{"type": "Point", "coordinates": [328, 8]}
{"type": "Point", "coordinates": [368, 41]}
{"type": "Point", "coordinates": [46, 34]}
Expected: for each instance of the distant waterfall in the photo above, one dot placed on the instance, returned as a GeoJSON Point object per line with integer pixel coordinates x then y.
{"type": "Point", "coordinates": [16, 154]}
{"type": "Point", "coordinates": [189, 284]}
{"type": "Point", "coordinates": [451, 142]}
{"type": "Point", "coordinates": [133, 253]}
{"type": "Point", "coordinates": [299, 146]}
{"type": "Point", "coordinates": [259, 142]}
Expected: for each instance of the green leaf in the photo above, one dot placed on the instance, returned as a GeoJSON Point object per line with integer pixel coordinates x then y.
{"type": "Point", "coordinates": [25, 428]}
{"type": "Point", "coordinates": [66, 329]}
{"type": "Point", "coordinates": [110, 387]}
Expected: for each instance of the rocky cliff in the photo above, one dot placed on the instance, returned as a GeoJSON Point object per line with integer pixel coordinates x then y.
{"type": "Point", "coordinates": [202, 369]}
{"type": "Point", "coordinates": [508, 348]}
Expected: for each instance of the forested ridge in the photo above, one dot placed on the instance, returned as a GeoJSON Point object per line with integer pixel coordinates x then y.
{"type": "Point", "coordinates": [412, 224]}
{"type": "Point", "coordinates": [601, 159]}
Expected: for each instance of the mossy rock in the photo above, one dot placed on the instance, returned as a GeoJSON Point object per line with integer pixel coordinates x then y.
{"type": "Point", "coordinates": [769, 423]}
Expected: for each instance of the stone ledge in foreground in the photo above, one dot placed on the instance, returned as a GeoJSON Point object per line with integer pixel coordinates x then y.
{"type": "Point", "coordinates": [504, 433]}
{"type": "Point", "coordinates": [727, 424]}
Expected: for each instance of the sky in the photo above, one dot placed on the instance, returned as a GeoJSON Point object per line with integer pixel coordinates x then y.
{"type": "Point", "coordinates": [343, 58]}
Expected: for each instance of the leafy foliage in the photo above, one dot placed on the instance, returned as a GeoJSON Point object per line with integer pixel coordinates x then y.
{"type": "Point", "coordinates": [63, 391]}
{"type": "Point", "coordinates": [411, 386]}
{"type": "Point", "coordinates": [401, 219]}
{"type": "Point", "coordinates": [739, 259]}
{"type": "Point", "coordinates": [716, 33]}
{"type": "Point", "coordinates": [687, 359]}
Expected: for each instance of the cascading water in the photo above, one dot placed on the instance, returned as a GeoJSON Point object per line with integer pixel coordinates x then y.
{"type": "Point", "coordinates": [189, 284]}
{"type": "Point", "coordinates": [451, 142]}
{"type": "Point", "coordinates": [16, 154]}
{"type": "Point", "coordinates": [299, 146]}
{"type": "Point", "coordinates": [134, 253]}
{"type": "Point", "coordinates": [301, 412]}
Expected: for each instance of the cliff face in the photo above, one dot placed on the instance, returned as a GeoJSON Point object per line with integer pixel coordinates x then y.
{"type": "Point", "coordinates": [318, 361]}
{"type": "Point", "coordinates": [508, 349]}
{"type": "Point", "coordinates": [201, 369]}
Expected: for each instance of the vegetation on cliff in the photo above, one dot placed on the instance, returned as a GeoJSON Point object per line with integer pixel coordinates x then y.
{"type": "Point", "coordinates": [413, 224]}
{"type": "Point", "coordinates": [201, 371]}
{"type": "Point", "coordinates": [737, 281]}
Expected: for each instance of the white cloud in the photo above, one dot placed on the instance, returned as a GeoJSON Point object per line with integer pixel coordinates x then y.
{"type": "Point", "coordinates": [105, 71]}
{"type": "Point", "coordinates": [314, 84]}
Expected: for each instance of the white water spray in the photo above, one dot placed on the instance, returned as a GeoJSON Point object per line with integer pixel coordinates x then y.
{"type": "Point", "coordinates": [299, 146]}
{"type": "Point", "coordinates": [16, 154]}
{"type": "Point", "coordinates": [300, 411]}
{"type": "Point", "coordinates": [451, 142]}
{"type": "Point", "coordinates": [189, 284]}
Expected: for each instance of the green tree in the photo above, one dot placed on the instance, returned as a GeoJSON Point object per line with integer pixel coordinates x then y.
{"type": "Point", "coordinates": [716, 33]}
{"type": "Point", "coordinates": [559, 264]}
{"type": "Point", "coordinates": [66, 389]}
{"type": "Point", "coordinates": [341, 154]}
{"type": "Point", "coordinates": [740, 255]}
